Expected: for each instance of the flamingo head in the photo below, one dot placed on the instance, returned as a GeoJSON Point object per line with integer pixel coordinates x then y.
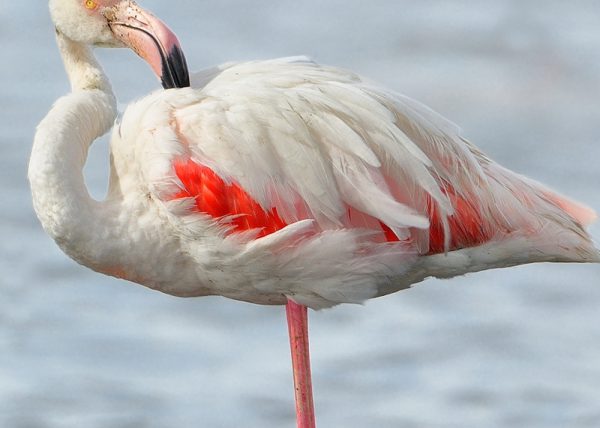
{"type": "Point", "coordinates": [122, 23]}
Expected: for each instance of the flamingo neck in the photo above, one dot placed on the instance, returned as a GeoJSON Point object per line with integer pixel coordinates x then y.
{"type": "Point", "coordinates": [60, 149]}
{"type": "Point", "coordinates": [82, 67]}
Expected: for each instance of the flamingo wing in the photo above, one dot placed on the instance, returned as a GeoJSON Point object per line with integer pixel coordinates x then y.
{"type": "Point", "coordinates": [258, 146]}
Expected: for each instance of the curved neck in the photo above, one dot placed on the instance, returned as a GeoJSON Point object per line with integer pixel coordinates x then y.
{"type": "Point", "coordinates": [60, 150]}
{"type": "Point", "coordinates": [82, 68]}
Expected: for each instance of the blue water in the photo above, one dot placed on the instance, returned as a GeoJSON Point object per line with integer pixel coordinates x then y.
{"type": "Point", "coordinates": [512, 348]}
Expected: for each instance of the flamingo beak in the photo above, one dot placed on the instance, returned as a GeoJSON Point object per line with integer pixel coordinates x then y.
{"type": "Point", "coordinates": [152, 40]}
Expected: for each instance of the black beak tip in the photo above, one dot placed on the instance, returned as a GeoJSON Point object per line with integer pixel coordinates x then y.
{"type": "Point", "coordinates": [175, 73]}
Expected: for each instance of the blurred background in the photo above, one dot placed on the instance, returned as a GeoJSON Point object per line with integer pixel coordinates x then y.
{"type": "Point", "coordinates": [511, 348]}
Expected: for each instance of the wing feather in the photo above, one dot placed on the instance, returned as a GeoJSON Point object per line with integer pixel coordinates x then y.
{"type": "Point", "coordinates": [311, 142]}
{"type": "Point", "coordinates": [294, 128]}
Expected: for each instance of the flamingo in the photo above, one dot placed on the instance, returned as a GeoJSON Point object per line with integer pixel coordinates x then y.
{"type": "Point", "coordinates": [279, 182]}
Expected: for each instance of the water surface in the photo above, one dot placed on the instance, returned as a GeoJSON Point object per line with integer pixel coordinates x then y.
{"type": "Point", "coordinates": [512, 348]}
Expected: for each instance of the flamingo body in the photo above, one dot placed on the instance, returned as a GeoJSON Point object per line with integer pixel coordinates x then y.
{"type": "Point", "coordinates": [286, 179]}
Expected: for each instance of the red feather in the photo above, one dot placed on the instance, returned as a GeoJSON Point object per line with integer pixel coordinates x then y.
{"type": "Point", "coordinates": [219, 199]}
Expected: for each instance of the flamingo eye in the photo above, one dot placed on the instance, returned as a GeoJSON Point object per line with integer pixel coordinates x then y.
{"type": "Point", "coordinates": [91, 4]}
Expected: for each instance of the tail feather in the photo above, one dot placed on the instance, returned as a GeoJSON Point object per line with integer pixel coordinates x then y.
{"type": "Point", "coordinates": [584, 216]}
{"type": "Point", "coordinates": [582, 213]}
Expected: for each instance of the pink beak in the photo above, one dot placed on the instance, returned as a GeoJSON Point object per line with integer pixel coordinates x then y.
{"type": "Point", "coordinates": [152, 40]}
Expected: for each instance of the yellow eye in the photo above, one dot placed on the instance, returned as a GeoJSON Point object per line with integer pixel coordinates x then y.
{"type": "Point", "coordinates": [91, 4]}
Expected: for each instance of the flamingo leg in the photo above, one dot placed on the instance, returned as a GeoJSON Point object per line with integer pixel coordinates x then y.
{"type": "Point", "coordinates": [297, 318]}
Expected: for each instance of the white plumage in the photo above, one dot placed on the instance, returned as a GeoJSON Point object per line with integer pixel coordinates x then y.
{"type": "Point", "coordinates": [312, 142]}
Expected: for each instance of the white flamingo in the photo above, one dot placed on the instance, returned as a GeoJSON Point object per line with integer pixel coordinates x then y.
{"type": "Point", "coordinates": [277, 182]}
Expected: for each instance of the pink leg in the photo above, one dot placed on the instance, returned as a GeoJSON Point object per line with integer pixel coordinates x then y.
{"type": "Point", "coordinates": [297, 318]}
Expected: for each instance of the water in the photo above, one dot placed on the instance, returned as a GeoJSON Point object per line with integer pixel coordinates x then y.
{"type": "Point", "coordinates": [512, 348]}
